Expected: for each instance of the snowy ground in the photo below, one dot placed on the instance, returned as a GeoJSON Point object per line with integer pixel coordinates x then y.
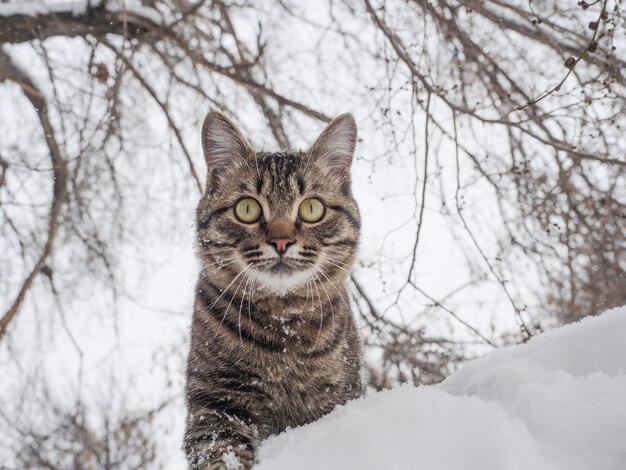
{"type": "Point", "coordinates": [558, 402]}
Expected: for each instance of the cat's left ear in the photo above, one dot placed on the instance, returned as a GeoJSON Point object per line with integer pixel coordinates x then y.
{"type": "Point", "coordinates": [224, 145]}
{"type": "Point", "coordinates": [334, 148]}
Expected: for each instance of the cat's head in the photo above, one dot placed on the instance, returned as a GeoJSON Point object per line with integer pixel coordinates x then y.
{"type": "Point", "coordinates": [282, 219]}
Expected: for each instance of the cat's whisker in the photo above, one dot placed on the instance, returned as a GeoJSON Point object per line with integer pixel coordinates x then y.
{"type": "Point", "coordinates": [336, 284]}
{"type": "Point", "coordinates": [230, 303]}
{"type": "Point", "coordinates": [325, 259]}
{"type": "Point", "coordinates": [227, 287]}
{"type": "Point", "coordinates": [221, 266]}
{"type": "Point", "coordinates": [231, 300]}
{"type": "Point", "coordinates": [312, 310]}
{"type": "Point", "coordinates": [330, 303]}
{"type": "Point", "coordinates": [306, 299]}
{"type": "Point", "coordinates": [243, 296]}
{"type": "Point", "coordinates": [222, 262]}
{"type": "Point", "coordinates": [332, 283]}
{"type": "Point", "coordinates": [249, 298]}
{"type": "Point", "coordinates": [219, 269]}
{"type": "Point", "coordinates": [320, 270]}
{"type": "Point", "coordinates": [319, 331]}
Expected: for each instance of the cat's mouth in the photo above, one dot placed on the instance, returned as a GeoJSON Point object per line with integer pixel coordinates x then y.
{"type": "Point", "coordinates": [281, 276]}
{"type": "Point", "coordinates": [281, 267]}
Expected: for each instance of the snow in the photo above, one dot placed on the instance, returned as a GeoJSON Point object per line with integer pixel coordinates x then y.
{"type": "Point", "coordinates": [557, 402]}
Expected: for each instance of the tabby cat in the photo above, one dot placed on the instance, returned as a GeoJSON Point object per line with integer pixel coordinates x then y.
{"type": "Point", "coordinates": [273, 341]}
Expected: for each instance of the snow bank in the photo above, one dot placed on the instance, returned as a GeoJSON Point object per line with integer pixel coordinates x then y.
{"type": "Point", "coordinates": [558, 402]}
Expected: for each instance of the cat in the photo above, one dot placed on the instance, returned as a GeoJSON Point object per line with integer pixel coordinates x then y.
{"type": "Point", "coordinates": [273, 340]}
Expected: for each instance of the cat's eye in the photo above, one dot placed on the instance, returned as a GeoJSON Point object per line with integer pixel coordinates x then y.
{"type": "Point", "coordinates": [311, 210]}
{"type": "Point", "coordinates": [248, 210]}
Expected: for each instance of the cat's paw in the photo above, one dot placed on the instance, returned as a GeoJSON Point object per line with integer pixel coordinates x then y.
{"type": "Point", "coordinates": [239, 458]}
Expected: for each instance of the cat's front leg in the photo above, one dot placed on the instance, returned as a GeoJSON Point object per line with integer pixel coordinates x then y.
{"type": "Point", "coordinates": [216, 440]}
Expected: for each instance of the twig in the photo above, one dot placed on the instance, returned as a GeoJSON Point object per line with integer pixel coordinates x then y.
{"type": "Point", "coordinates": [571, 67]}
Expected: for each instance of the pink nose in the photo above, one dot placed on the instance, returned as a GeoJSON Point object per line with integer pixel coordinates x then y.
{"type": "Point", "coordinates": [281, 244]}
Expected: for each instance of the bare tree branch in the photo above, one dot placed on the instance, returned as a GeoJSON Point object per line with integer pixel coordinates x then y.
{"type": "Point", "coordinates": [10, 71]}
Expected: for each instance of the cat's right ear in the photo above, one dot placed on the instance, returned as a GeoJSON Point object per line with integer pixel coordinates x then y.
{"type": "Point", "coordinates": [224, 145]}
{"type": "Point", "coordinates": [334, 148]}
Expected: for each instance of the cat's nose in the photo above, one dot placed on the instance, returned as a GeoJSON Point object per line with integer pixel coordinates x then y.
{"type": "Point", "coordinates": [281, 233]}
{"type": "Point", "coordinates": [281, 244]}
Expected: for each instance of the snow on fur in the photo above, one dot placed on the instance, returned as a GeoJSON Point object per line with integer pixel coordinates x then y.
{"type": "Point", "coordinates": [558, 402]}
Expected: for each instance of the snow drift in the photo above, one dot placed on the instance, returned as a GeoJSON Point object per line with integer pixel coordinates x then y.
{"type": "Point", "coordinates": [558, 402]}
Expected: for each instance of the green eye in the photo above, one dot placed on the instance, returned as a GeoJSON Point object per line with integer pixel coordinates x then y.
{"type": "Point", "coordinates": [311, 210]}
{"type": "Point", "coordinates": [248, 210]}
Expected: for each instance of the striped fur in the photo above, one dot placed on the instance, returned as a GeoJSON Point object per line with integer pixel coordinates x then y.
{"type": "Point", "coordinates": [272, 345]}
